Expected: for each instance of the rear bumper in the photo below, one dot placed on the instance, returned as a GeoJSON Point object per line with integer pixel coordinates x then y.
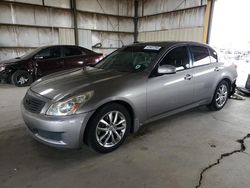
{"type": "Point", "coordinates": [60, 132]}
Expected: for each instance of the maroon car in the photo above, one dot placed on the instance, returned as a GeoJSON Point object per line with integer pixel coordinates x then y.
{"type": "Point", "coordinates": [22, 71]}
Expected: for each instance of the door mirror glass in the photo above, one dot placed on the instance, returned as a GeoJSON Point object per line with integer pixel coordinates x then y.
{"type": "Point", "coordinates": [166, 69]}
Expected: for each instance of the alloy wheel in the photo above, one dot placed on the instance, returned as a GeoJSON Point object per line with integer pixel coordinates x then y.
{"type": "Point", "coordinates": [221, 95]}
{"type": "Point", "coordinates": [22, 80]}
{"type": "Point", "coordinates": [111, 129]}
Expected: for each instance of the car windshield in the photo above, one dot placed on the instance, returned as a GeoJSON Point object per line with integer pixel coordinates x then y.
{"type": "Point", "coordinates": [31, 53]}
{"type": "Point", "coordinates": [130, 59]}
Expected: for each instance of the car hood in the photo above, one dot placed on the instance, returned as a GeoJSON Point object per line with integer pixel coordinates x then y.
{"type": "Point", "coordinates": [68, 83]}
{"type": "Point", "coordinates": [10, 61]}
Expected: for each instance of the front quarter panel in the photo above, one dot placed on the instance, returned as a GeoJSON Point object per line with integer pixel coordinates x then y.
{"type": "Point", "coordinates": [130, 89]}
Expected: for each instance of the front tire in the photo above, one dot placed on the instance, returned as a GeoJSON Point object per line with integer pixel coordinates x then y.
{"type": "Point", "coordinates": [108, 128]}
{"type": "Point", "coordinates": [21, 78]}
{"type": "Point", "coordinates": [221, 95]}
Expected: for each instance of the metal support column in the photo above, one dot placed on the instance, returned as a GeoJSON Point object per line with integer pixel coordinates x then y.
{"type": "Point", "coordinates": [136, 21]}
{"type": "Point", "coordinates": [208, 21]}
{"type": "Point", "coordinates": [74, 10]}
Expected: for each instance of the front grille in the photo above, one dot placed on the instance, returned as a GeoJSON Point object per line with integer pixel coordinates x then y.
{"type": "Point", "coordinates": [248, 82]}
{"type": "Point", "coordinates": [33, 104]}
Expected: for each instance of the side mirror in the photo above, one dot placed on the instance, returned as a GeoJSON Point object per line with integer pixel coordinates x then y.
{"type": "Point", "coordinates": [166, 69]}
{"type": "Point", "coordinates": [38, 57]}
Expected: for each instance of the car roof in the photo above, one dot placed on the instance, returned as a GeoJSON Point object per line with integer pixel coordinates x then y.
{"type": "Point", "coordinates": [47, 46]}
{"type": "Point", "coordinates": [167, 43]}
{"type": "Point", "coordinates": [65, 45]}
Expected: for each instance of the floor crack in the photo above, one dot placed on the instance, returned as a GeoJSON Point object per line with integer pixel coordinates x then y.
{"type": "Point", "coordinates": [242, 149]}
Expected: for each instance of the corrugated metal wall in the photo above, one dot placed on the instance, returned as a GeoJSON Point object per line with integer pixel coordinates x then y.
{"type": "Point", "coordinates": [186, 34]}
{"type": "Point", "coordinates": [66, 36]}
{"type": "Point", "coordinates": [171, 20]}
{"type": "Point", "coordinates": [26, 24]}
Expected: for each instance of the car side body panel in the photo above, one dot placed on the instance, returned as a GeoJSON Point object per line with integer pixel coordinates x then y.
{"type": "Point", "coordinates": [169, 92]}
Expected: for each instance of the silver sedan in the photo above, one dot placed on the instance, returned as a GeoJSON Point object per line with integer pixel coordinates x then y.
{"type": "Point", "coordinates": [134, 85]}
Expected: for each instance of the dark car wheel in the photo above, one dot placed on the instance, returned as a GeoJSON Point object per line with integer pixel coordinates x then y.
{"type": "Point", "coordinates": [21, 78]}
{"type": "Point", "coordinates": [220, 96]}
{"type": "Point", "coordinates": [109, 128]}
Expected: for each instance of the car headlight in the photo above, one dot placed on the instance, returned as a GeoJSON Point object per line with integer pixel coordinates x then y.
{"type": "Point", "coordinates": [2, 68]}
{"type": "Point", "coordinates": [69, 106]}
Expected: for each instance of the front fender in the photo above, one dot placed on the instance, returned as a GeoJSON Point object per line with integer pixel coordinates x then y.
{"type": "Point", "coordinates": [137, 116]}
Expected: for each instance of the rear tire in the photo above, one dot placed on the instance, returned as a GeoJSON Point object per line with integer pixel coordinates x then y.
{"type": "Point", "coordinates": [221, 95]}
{"type": "Point", "coordinates": [21, 78]}
{"type": "Point", "coordinates": [108, 128]}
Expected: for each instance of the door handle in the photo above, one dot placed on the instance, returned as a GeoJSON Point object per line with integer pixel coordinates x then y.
{"type": "Point", "coordinates": [216, 69]}
{"type": "Point", "coordinates": [188, 77]}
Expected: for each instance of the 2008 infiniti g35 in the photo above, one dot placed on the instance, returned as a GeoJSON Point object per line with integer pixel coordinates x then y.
{"type": "Point", "coordinates": [134, 85]}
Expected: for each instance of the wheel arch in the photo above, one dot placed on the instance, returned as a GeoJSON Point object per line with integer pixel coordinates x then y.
{"type": "Point", "coordinates": [227, 79]}
{"type": "Point", "coordinates": [128, 106]}
{"type": "Point", "coordinates": [231, 84]}
{"type": "Point", "coordinates": [13, 75]}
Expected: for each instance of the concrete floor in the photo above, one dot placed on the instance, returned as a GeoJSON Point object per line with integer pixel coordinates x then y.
{"type": "Point", "coordinates": [197, 146]}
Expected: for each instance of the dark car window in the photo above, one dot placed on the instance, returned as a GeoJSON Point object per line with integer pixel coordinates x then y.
{"type": "Point", "coordinates": [200, 56]}
{"type": "Point", "coordinates": [177, 57]}
{"type": "Point", "coordinates": [31, 53]}
{"type": "Point", "coordinates": [130, 59]}
{"type": "Point", "coordinates": [50, 53]}
{"type": "Point", "coordinates": [87, 51]}
{"type": "Point", "coordinates": [213, 56]}
{"type": "Point", "coordinates": [72, 51]}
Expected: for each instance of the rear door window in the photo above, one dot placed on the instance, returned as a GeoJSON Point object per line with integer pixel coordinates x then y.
{"type": "Point", "coordinates": [72, 51]}
{"type": "Point", "coordinates": [200, 56]}
{"type": "Point", "coordinates": [213, 56]}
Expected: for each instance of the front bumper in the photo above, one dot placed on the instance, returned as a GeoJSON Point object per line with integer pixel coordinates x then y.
{"type": "Point", "coordinates": [60, 132]}
{"type": "Point", "coordinates": [3, 76]}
